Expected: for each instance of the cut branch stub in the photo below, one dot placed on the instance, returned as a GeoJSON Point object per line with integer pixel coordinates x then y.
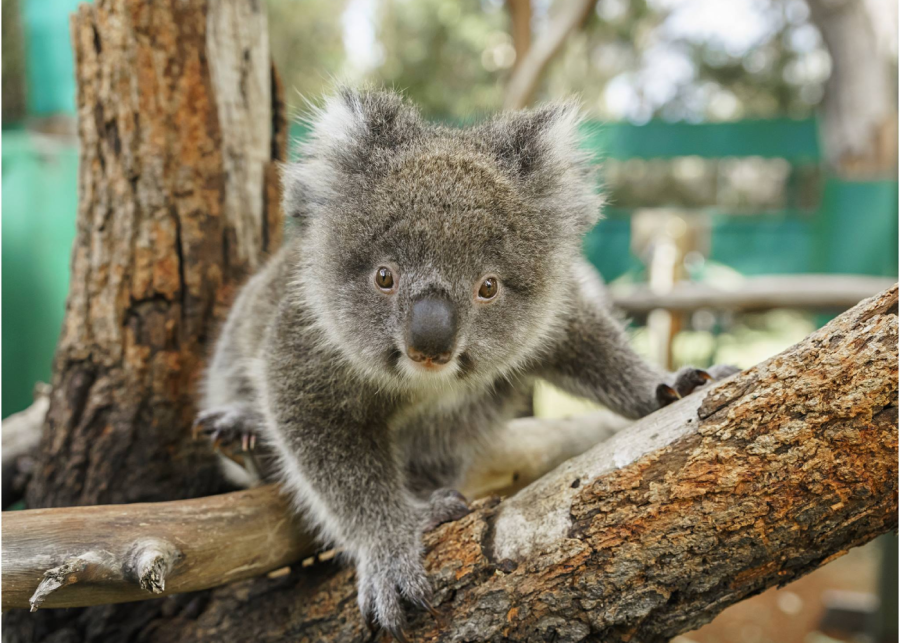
{"type": "Point", "coordinates": [145, 564]}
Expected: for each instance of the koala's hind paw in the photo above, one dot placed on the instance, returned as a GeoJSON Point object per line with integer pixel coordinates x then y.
{"type": "Point", "coordinates": [386, 579]}
{"type": "Point", "coordinates": [689, 379]}
{"type": "Point", "coordinates": [232, 427]}
{"type": "Point", "coordinates": [445, 505]}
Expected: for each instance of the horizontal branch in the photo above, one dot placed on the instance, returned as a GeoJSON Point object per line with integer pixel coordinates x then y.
{"type": "Point", "coordinates": [807, 292]}
{"type": "Point", "coordinates": [79, 556]}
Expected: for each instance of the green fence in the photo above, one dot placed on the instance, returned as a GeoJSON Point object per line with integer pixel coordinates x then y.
{"type": "Point", "coordinates": [39, 202]}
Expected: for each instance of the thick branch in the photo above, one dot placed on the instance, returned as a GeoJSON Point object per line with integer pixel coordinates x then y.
{"type": "Point", "coordinates": [572, 15]}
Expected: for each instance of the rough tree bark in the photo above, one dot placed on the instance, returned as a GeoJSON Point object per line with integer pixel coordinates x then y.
{"type": "Point", "coordinates": [180, 120]}
{"type": "Point", "coordinates": [178, 139]}
{"type": "Point", "coordinates": [770, 474]}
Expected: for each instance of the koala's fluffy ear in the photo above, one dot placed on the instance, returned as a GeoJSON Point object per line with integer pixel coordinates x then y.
{"type": "Point", "coordinates": [349, 134]}
{"type": "Point", "coordinates": [541, 149]}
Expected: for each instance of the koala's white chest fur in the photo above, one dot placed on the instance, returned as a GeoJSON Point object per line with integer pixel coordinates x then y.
{"type": "Point", "coordinates": [433, 403]}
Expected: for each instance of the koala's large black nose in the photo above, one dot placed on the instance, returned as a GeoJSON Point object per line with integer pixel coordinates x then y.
{"type": "Point", "coordinates": [432, 330]}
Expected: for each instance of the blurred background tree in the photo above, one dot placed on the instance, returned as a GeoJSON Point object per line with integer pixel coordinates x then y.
{"type": "Point", "coordinates": [636, 60]}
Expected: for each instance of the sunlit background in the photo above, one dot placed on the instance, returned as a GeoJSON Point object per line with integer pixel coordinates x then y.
{"type": "Point", "coordinates": [739, 140]}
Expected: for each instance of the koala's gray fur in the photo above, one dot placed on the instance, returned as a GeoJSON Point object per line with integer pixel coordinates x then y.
{"type": "Point", "coordinates": [313, 355]}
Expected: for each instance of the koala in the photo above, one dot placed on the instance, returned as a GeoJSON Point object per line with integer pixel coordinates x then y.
{"type": "Point", "coordinates": [434, 273]}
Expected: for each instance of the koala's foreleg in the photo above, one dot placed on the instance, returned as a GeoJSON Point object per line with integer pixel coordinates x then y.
{"type": "Point", "coordinates": [595, 360]}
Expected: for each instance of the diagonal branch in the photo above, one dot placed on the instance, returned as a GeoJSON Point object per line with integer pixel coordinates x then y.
{"type": "Point", "coordinates": [527, 73]}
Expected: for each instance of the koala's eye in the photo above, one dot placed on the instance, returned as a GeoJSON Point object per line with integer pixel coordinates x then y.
{"type": "Point", "coordinates": [488, 289]}
{"type": "Point", "coordinates": [384, 279]}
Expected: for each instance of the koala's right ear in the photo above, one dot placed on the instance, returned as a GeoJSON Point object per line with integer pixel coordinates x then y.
{"type": "Point", "coordinates": [350, 137]}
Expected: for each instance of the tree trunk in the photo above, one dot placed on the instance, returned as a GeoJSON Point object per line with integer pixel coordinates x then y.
{"type": "Point", "coordinates": [178, 138]}
{"type": "Point", "coordinates": [181, 121]}
{"type": "Point", "coordinates": [770, 474]}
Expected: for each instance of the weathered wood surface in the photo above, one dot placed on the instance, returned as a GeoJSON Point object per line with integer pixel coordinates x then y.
{"type": "Point", "coordinates": [769, 475]}
{"type": "Point", "coordinates": [80, 556]}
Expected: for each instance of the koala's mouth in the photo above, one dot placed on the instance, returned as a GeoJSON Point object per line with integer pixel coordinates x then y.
{"type": "Point", "coordinates": [458, 366]}
{"type": "Point", "coordinates": [426, 371]}
{"type": "Point", "coordinates": [422, 364]}
{"type": "Point", "coordinates": [428, 365]}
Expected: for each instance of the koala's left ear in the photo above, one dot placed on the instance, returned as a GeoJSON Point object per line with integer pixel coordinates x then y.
{"type": "Point", "coordinates": [348, 136]}
{"type": "Point", "coordinates": [541, 149]}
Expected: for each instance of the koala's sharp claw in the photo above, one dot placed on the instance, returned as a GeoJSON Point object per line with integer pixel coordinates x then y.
{"type": "Point", "coordinates": [445, 505]}
{"type": "Point", "coordinates": [252, 441]}
{"type": "Point", "coordinates": [371, 625]}
{"type": "Point", "coordinates": [665, 395]}
{"type": "Point", "coordinates": [216, 438]}
{"type": "Point", "coordinates": [245, 442]}
{"type": "Point", "coordinates": [689, 379]}
{"type": "Point", "coordinates": [438, 618]}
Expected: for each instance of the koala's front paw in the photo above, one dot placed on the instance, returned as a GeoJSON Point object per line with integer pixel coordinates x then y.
{"type": "Point", "coordinates": [387, 576]}
{"type": "Point", "coordinates": [232, 426]}
{"type": "Point", "coordinates": [689, 379]}
{"type": "Point", "coordinates": [445, 505]}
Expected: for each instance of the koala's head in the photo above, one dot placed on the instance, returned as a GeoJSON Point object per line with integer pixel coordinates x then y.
{"type": "Point", "coordinates": [433, 255]}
